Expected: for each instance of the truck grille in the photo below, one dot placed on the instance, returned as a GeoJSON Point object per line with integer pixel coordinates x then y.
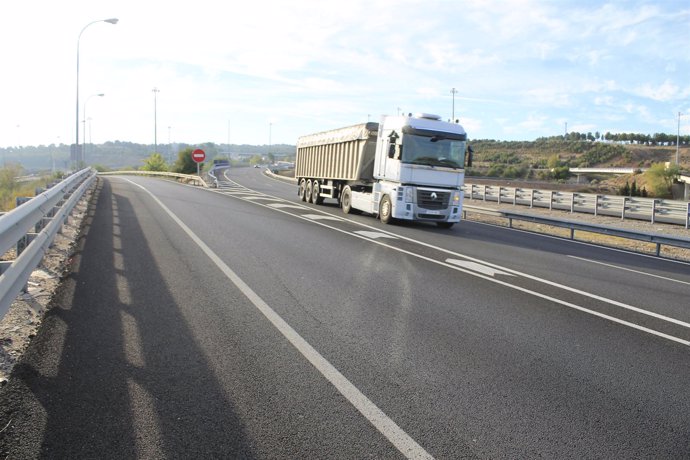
{"type": "Point", "coordinates": [431, 199]}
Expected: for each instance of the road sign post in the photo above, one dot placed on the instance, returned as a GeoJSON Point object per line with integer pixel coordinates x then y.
{"type": "Point", "coordinates": [198, 156]}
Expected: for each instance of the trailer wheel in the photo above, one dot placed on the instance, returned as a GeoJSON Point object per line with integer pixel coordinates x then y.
{"type": "Point", "coordinates": [385, 210]}
{"type": "Point", "coordinates": [316, 197]}
{"type": "Point", "coordinates": [302, 190]}
{"type": "Point", "coordinates": [444, 224]}
{"type": "Point", "coordinates": [307, 192]}
{"type": "Point", "coordinates": [346, 199]}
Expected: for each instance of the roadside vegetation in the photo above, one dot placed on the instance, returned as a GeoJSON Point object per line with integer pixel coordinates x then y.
{"type": "Point", "coordinates": [12, 186]}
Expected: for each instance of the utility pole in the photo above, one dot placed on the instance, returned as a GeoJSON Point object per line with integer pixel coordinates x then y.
{"type": "Point", "coordinates": [678, 141]}
{"type": "Point", "coordinates": [453, 92]}
{"type": "Point", "coordinates": [155, 122]}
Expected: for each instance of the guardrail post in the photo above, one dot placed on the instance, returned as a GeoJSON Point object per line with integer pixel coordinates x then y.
{"type": "Point", "coordinates": [484, 196]}
{"type": "Point", "coordinates": [625, 203]}
{"type": "Point", "coordinates": [653, 210]}
{"type": "Point", "coordinates": [687, 216]}
{"type": "Point", "coordinates": [551, 201]}
{"type": "Point", "coordinates": [499, 194]}
{"type": "Point", "coordinates": [531, 198]}
{"type": "Point", "coordinates": [24, 242]}
{"type": "Point", "coordinates": [596, 204]}
{"type": "Point", "coordinates": [658, 249]}
{"type": "Point", "coordinates": [572, 203]}
{"type": "Point", "coordinates": [515, 190]}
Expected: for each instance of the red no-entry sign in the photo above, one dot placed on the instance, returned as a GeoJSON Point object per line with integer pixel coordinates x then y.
{"type": "Point", "coordinates": [198, 156]}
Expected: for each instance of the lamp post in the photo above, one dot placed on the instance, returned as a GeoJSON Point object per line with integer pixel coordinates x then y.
{"type": "Point", "coordinates": [678, 142]}
{"type": "Point", "coordinates": [83, 135]}
{"type": "Point", "coordinates": [155, 122]}
{"type": "Point", "coordinates": [453, 92]}
{"type": "Point", "coordinates": [77, 153]}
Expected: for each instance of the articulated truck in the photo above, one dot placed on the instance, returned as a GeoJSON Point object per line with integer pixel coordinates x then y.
{"type": "Point", "coordinates": [405, 167]}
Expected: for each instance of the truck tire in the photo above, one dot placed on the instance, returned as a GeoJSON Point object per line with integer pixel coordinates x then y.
{"type": "Point", "coordinates": [346, 200]}
{"type": "Point", "coordinates": [307, 191]}
{"type": "Point", "coordinates": [302, 190]}
{"type": "Point", "coordinates": [386, 210]}
{"type": "Point", "coordinates": [316, 197]}
{"type": "Point", "coordinates": [444, 224]}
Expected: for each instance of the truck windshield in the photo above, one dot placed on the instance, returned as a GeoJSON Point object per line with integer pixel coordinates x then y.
{"type": "Point", "coordinates": [433, 151]}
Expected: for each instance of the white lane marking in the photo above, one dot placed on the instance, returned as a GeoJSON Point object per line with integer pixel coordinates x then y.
{"type": "Point", "coordinates": [255, 197]}
{"type": "Point", "coordinates": [285, 205]}
{"type": "Point", "coordinates": [483, 269]}
{"type": "Point", "coordinates": [519, 288]}
{"type": "Point", "coordinates": [322, 217]}
{"type": "Point", "coordinates": [386, 426]}
{"type": "Point", "coordinates": [629, 270]}
{"type": "Point", "coordinates": [374, 235]}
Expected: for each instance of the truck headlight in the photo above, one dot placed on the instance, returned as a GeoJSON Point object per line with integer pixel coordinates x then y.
{"type": "Point", "coordinates": [409, 194]}
{"type": "Point", "coordinates": [456, 198]}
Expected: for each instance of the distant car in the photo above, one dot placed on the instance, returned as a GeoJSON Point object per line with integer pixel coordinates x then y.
{"type": "Point", "coordinates": [257, 166]}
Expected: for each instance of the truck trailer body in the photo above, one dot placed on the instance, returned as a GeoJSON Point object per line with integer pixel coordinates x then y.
{"type": "Point", "coordinates": [405, 167]}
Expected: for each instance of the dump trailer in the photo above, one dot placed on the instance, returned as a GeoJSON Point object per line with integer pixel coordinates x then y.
{"type": "Point", "coordinates": [405, 167]}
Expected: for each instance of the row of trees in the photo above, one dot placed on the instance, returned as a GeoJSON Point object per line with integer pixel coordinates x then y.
{"type": "Point", "coordinates": [184, 163]}
{"type": "Point", "coordinates": [630, 138]}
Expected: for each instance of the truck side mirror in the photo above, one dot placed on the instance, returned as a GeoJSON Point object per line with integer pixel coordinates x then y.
{"type": "Point", "coordinates": [395, 151]}
{"type": "Point", "coordinates": [469, 156]}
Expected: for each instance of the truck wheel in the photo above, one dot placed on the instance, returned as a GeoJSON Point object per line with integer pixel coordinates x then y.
{"type": "Point", "coordinates": [346, 200]}
{"type": "Point", "coordinates": [444, 224]}
{"type": "Point", "coordinates": [385, 210]}
{"type": "Point", "coordinates": [316, 197]}
{"type": "Point", "coordinates": [302, 190]}
{"type": "Point", "coordinates": [307, 192]}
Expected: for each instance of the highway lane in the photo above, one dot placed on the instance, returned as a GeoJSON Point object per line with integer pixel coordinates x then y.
{"type": "Point", "coordinates": [633, 279]}
{"type": "Point", "coordinates": [163, 354]}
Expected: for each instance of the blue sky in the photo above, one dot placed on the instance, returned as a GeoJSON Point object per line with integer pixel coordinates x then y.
{"type": "Point", "coordinates": [270, 71]}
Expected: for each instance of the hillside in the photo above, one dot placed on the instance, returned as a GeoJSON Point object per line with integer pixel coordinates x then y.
{"type": "Point", "coordinates": [548, 160]}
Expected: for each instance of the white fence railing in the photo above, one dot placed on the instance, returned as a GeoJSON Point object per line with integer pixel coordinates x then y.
{"type": "Point", "coordinates": [656, 238]}
{"type": "Point", "coordinates": [625, 207]}
{"type": "Point", "coordinates": [32, 227]}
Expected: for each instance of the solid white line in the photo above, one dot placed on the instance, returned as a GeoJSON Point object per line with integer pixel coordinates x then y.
{"type": "Point", "coordinates": [399, 438]}
{"type": "Point", "coordinates": [630, 270]}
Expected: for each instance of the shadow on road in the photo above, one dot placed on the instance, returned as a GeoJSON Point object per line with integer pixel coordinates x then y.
{"type": "Point", "coordinates": [116, 370]}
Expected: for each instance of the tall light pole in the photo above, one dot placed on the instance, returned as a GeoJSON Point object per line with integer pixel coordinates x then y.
{"type": "Point", "coordinates": [678, 141]}
{"type": "Point", "coordinates": [453, 92]}
{"type": "Point", "coordinates": [270, 129]}
{"type": "Point", "coordinates": [77, 152]}
{"type": "Point", "coordinates": [83, 144]}
{"type": "Point", "coordinates": [155, 123]}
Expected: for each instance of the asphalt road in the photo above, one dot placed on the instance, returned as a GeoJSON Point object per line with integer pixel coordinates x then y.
{"type": "Point", "coordinates": [240, 322]}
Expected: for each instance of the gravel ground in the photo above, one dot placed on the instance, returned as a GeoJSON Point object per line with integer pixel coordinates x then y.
{"type": "Point", "coordinates": [24, 317]}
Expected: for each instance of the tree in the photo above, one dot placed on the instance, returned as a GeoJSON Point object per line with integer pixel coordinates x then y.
{"type": "Point", "coordinates": [661, 178]}
{"type": "Point", "coordinates": [255, 160]}
{"type": "Point", "coordinates": [155, 163]}
{"type": "Point", "coordinates": [184, 163]}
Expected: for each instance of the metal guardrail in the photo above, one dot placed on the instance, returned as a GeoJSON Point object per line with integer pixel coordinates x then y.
{"type": "Point", "coordinates": [32, 227]}
{"type": "Point", "coordinates": [190, 177]}
{"type": "Point", "coordinates": [658, 239]}
{"type": "Point", "coordinates": [649, 209]}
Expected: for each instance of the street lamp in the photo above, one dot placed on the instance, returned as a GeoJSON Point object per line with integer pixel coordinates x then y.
{"type": "Point", "coordinates": [453, 92]}
{"type": "Point", "coordinates": [155, 122]}
{"type": "Point", "coordinates": [83, 136]}
{"type": "Point", "coordinates": [77, 153]}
